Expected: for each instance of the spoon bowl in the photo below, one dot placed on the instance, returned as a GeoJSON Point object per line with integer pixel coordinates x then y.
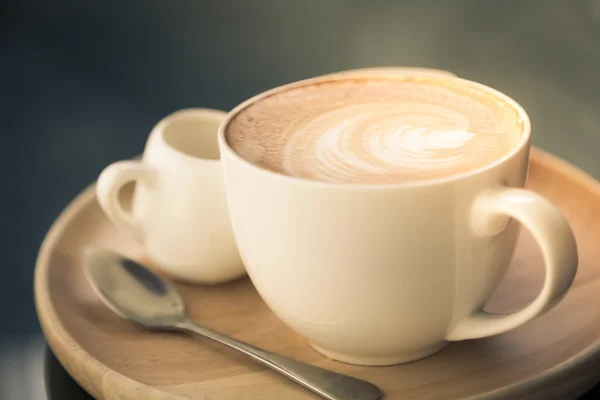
{"type": "Point", "coordinates": [133, 291]}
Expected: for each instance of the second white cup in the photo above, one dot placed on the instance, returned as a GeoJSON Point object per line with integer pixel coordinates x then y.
{"type": "Point", "coordinates": [179, 214]}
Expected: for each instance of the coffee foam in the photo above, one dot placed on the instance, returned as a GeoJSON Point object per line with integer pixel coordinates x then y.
{"type": "Point", "coordinates": [376, 130]}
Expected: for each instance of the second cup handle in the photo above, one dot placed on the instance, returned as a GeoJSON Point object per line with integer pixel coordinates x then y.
{"type": "Point", "coordinates": [110, 182]}
{"type": "Point", "coordinates": [555, 238]}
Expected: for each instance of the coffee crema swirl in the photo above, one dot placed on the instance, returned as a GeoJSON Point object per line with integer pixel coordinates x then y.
{"type": "Point", "coordinates": [378, 130]}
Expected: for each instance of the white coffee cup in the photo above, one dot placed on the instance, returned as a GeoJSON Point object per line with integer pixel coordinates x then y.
{"type": "Point", "coordinates": [380, 274]}
{"type": "Point", "coordinates": [179, 213]}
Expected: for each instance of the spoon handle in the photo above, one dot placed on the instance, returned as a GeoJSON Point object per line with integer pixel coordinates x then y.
{"type": "Point", "coordinates": [328, 384]}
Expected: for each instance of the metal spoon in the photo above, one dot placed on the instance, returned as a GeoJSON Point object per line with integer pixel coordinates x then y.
{"type": "Point", "coordinates": [137, 294]}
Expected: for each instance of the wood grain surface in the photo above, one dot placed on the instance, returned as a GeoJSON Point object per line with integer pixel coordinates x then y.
{"type": "Point", "coordinates": [556, 356]}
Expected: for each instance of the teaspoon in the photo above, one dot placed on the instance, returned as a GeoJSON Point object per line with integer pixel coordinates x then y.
{"type": "Point", "coordinates": [139, 295]}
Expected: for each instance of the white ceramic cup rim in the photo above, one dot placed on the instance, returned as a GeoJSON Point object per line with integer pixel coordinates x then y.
{"type": "Point", "coordinates": [224, 146]}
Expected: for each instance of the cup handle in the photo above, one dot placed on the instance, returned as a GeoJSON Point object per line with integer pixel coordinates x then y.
{"type": "Point", "coordinates": [110, 182]}
{"type": "Point", "coordinates": [551, 230]}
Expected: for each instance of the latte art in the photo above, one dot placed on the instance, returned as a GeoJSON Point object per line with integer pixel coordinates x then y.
{"type": "Point", "coordinates": [377, 139]}
{"type": "Point", "coordinates": [375, 131]}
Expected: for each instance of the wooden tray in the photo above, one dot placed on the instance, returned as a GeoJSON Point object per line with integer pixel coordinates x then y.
{"type": "Point", "coordinates": [556, 356]}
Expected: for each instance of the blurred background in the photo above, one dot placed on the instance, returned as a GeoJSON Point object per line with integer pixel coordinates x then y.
{"type": "Point", "coordinates": [82, 83]}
